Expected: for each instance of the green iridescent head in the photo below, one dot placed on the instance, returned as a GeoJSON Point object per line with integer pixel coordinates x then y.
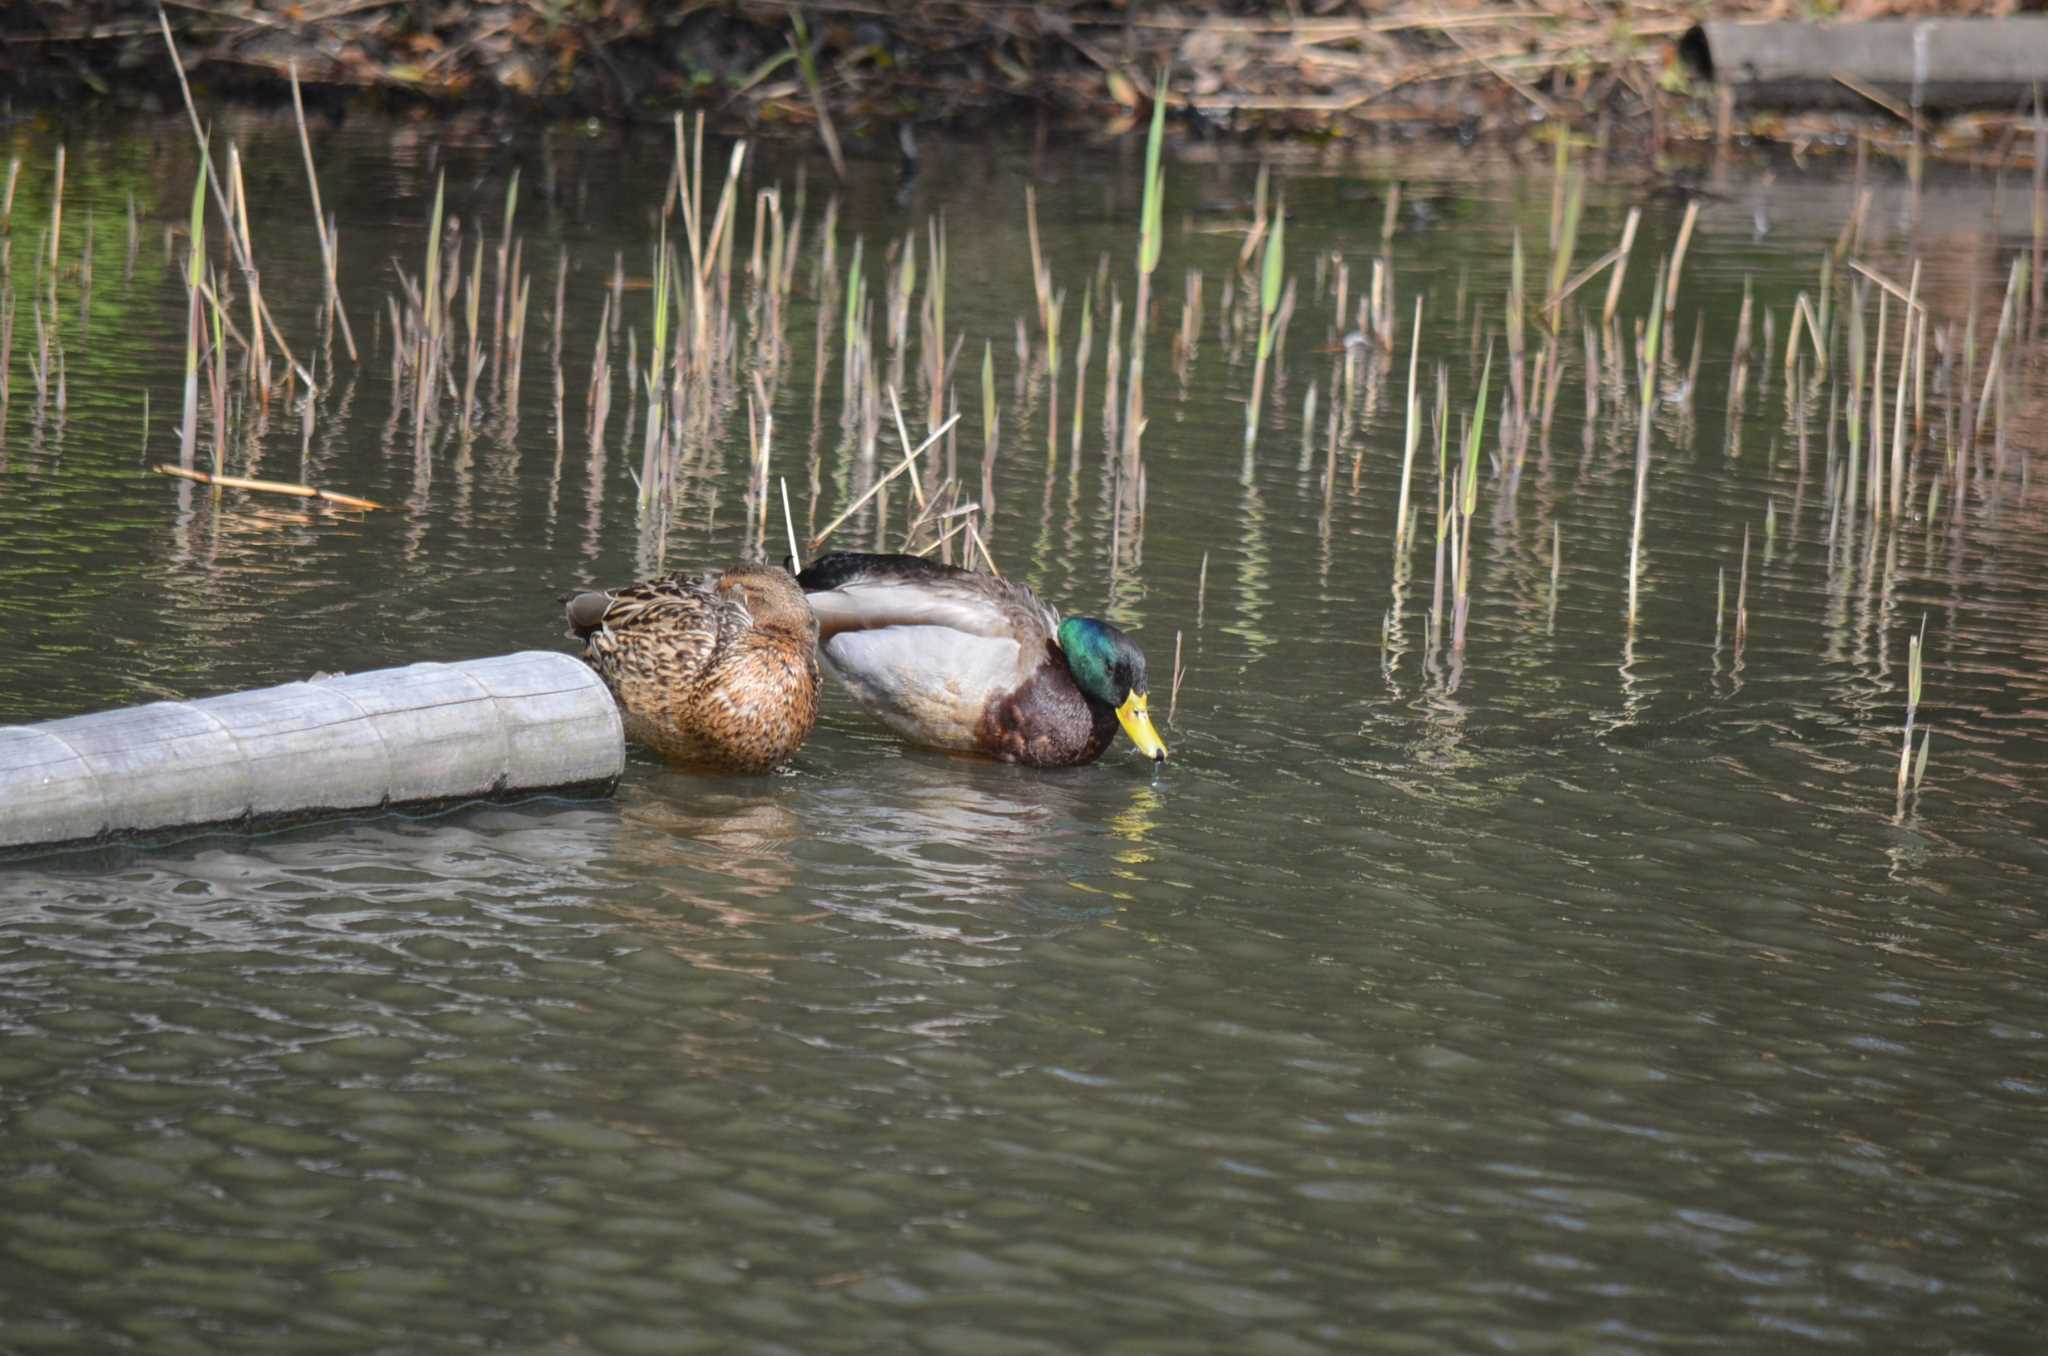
{"type": "Point", "coordinates": [1109, 668]}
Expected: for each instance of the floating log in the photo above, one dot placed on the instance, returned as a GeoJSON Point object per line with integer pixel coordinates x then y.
{"type": "Point", "coordinates": [424, 735]}
{"type": "Point", "coordinates": [1920, 65]}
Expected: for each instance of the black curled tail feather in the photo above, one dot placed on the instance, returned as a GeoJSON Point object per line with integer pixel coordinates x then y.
{"type": "Point", "coordinates": [847, 567]}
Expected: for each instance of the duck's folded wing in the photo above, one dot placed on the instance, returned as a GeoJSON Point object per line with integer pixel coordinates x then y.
{"type": "Point", "coordinates": [879, 604]}
{"type": "Point", "coordinates": [669, 625]}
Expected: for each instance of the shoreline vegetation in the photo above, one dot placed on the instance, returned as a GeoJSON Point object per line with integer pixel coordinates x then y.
{"type": "Point", "coordinates": [871, 74]}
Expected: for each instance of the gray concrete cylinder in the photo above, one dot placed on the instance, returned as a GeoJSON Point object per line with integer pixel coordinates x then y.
{"type": "Point", "coordinates": [510, 725]}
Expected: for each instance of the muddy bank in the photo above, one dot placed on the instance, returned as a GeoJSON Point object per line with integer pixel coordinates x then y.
{"type": "Point", "coordinates": [863, 73]}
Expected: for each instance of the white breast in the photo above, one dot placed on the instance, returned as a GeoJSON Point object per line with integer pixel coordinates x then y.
{"type": "Point", "coordinates": [928, 682]}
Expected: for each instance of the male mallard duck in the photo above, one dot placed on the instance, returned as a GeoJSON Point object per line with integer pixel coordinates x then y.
{"type": "Point", "coordinates": [716, 672]}
{"type": "Point", "coordinates": [968, 661]}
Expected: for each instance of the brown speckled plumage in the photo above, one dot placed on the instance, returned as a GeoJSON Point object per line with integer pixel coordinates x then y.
{"type": "Point", "coordinates": [718, 672]}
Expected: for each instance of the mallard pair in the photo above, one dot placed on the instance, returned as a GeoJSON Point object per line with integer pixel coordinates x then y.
{"type": "Point", "coordinates": [720, 672]}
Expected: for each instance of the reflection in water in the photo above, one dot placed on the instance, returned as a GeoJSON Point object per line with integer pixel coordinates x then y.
{"type": "Point", "coordinates": [1135, 825]}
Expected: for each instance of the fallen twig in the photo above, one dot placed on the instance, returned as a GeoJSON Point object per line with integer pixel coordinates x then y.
{"type": "Point", "coordinates": [267, 486]}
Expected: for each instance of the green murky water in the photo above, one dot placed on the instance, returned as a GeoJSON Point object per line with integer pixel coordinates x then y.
{"type": "Point", "coordinates": [1590, 990]}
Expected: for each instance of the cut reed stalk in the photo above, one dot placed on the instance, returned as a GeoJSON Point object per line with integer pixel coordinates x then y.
{"type": "Point", "coordinates": [188, 424]}
{"type": "Point", "coordinates": [991, 427]}
{"type": "Point", "coordinates": [1620, 261]}
{"type": "Point", "coordinates": [1515, 416]}
{"type": "Point", "coordinates": [1692, 216]}
{"type": "Point", "coordinates": [1081, 350]}
{"type": "Point", "coordinates": [1173, 697]}
{"type": "Point", "coordinates": [1742, 599]}
{"type": "Point", "coordinates": [2007, 317]}
{"type": "Point", "coordinates": [1647, 405]}
{"type": "Point", "coordinates": [1411, 435]}
{"type": "Point", "coordinates": [1877, 469]}
{"type": "Point", "coordinates": [1443, 434]}
{"type": "Point", "coordinates": [1913, 319]}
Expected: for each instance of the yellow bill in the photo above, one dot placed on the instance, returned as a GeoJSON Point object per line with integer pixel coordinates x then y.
{"type": "Point", "coordinates": [1137, 723]}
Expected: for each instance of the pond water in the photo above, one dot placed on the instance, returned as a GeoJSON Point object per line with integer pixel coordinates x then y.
{"type": "Point", "coordinates": [1592, 989]}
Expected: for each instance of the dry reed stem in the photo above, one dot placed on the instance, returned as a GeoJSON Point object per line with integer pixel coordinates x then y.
{"type": "Point", "coordinates": [1173, 697]}
{"type": "Point", "coordinates": [1620, 255]}
{"type": "Point", "coordinates": [266, 486]}
{"type": "Point", "coordinates": [241, 246]}
{"type": "Point", "coordinates": [903, 433]}
{"type": "Point", "coordinates": [348, 337]}
{"type": "Point", "coordinates": [909, 459]}
{"type": "Point", "coordinates": [1692, 215]}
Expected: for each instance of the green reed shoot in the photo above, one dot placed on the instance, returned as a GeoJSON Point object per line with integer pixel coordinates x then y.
{"type": "Point", "coordinates": [807, 65]}
{"type": "Point", "coordinates": [1269, 302]}
{"type": "Point", "coordinates": [1041, 276]}
{"type": "Point", "coordinates": [856, 289]}
{"type": "Point", "coordinates": [333, 304]}
{"type": "Point", "coordinates": [1468, 502]}
{"type": "Point", "coordinates": [424, 372]}
{"type": "Point", "coordinates": [1151, 237]}
{"type": "Point", "coordinates": [506, 265]}
{"type": "Point", "coordinates": [1564, 241]}
{"type": "Point", "coordinates": [188, 427]}
{"type": "Point", "coordinates": [1913, 675]}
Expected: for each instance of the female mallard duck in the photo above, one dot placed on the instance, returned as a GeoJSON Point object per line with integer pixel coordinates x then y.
{"type": "Point", "coordinates": [713, 672]}
{"type": "Point", "coordinates": [968, 661]}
